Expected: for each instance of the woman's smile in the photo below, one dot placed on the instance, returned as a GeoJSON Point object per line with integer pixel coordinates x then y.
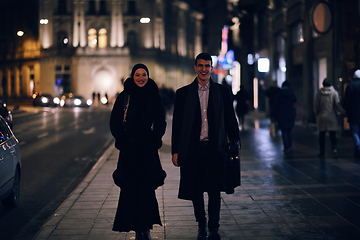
{"type": "Point", "coordinates": [140, 77]}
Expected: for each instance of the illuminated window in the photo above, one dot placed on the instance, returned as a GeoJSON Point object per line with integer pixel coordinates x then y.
{"type": "Point", "coordinates": [297, 33]}
{"type": "Point", "coordinates": [92, 38]}
{"type": "Point", "coordinates": [32, 80]}
{"type": "Point", "coordinates": [102, 38]}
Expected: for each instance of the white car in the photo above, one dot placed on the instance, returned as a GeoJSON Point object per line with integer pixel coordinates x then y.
{"type": "Point", "coordinates": [10, 166]}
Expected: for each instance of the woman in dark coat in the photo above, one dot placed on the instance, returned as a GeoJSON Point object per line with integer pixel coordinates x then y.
{"type": "Point", "coordinates": [285, 113]}
{"type": "Point", "coordinates": [138, 124]}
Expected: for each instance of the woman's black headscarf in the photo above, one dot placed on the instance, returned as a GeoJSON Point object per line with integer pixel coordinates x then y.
{"type": "Point", "coordinates": [136, 67]}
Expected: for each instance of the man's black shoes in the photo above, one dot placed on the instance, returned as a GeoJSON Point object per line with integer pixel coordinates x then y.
{"type": "Point", "coordinates": [202, 236]}
{"type": "Point", "coordinates": [214, 235]}
{"type": "Point", "coordinates": [202, 233]}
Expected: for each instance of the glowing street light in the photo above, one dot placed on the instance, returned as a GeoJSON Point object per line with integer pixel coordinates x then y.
{"type": "Point", "coordinates": [20, 33]}
{"type": "Point", "coordinates": [144, 20]}
{"type": "Point", "coordinates": [44, 21]}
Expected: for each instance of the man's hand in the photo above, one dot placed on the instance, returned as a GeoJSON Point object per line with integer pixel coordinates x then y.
{"type": "Point", "coordinates": [175, 160]}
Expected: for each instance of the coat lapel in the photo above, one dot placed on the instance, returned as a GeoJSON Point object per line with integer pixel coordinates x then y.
{"type": "Point", "coordinates": [188, 119]}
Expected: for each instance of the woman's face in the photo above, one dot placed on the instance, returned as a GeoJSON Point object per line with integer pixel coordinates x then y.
{"type": "Point", "coordinates": [140, 77]}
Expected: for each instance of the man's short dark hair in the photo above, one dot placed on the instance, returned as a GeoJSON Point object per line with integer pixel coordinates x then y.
{"type": "Point", "coordinates": [203, 56]}
{"type": "Point", "coordinates": [326, 82]}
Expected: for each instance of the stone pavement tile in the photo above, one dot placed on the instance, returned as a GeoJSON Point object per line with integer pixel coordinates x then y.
{"type": "Point", "coordinates": [75, 224]}
{"type": "Point", "coordinates": [87, 205]}
{"type": "Point", "coordinates": [81, 214]}
{"type": "Point", "coordinates": [68, 237]}
{"type": "Point", "coordinates": [246, 219]}
{"type": "Point", "coordinates": [181, 232]}
{"type": "Point", "coordinates": [262, 232]}
{"type": "Point", "coordinates": [70, 231]}
{"type": "Point", "coordinates": [346, 232]}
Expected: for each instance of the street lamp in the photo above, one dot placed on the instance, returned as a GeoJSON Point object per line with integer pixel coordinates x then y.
{"type": "Point", "coordinates": [144, 20]}
{"type": "Point", "coordinates": [20, 33]}
{"type": "Point", "coordinates": [44, 21]}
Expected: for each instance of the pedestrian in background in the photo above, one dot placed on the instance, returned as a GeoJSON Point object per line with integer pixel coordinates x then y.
{"type": "Point", "coordinates": [352, 107]}
{"type": "Point", "coordinates": [203, 121]}
{"type": "Point", "coordinates": [285, 113]}
{"type": "Point", "coordinates": [242, 101]}
{"type": "Point", "coordinates": [138, 123]}
{"type": "Point", "coordinates": [271, 93]}
{"type": "Point", "coordinates": [327, 105]}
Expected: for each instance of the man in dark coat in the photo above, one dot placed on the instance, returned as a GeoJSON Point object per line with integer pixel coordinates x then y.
{"type": "Point", "coordinates": [285, 113]}
{"type": "Point", "coordinates": [203, 121]}
{"type": "Point", "coordinates": [352, 107]}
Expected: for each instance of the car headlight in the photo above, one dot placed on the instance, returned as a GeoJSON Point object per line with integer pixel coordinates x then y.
{"type": "Point", "coordinates": [62, 102]}
{"type": "Point", "coordinates": [44, 100]}
{"type": "Point", "coordinates": [56, 100]}
{"type": "Point", "coordinates": [104, 100]}
{"type": "Point", "coordinates": [77, 102]}
{"type": "Point", "coordinates": [89, 102]}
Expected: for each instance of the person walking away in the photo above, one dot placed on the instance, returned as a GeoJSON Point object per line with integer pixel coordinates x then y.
{"type": "Point", "coordinates": [271, 93]}
{"type": "Point", "coordinates": [327, 104]}
{"type": "Point", "coordinates": [285, 113]}
{"type": "Point", "coordinates": [138, 123]}
{"type": "Point", "coordinates": [241, 108]}
{"type": "Point", "coordinates": [352, 107]}
{"type": "Point", "coordinates": [203, 121]}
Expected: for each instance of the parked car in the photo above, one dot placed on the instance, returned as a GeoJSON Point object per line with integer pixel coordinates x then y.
{"type": "Point", "coordinates": [45, 100]}
{"type": "Point", "coordinates": [6, 114]}
{"type": "Point", "coordinates": [10, 166]}
{"type": "Point", "coordinates": [70, 100]}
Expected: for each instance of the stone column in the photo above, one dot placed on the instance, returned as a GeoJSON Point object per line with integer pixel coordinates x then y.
{"type": "Point", "coordinates": [83, 41]}
{"type": "Point", "coordinates": [76, 24]}
{"type": "Point", "coordinates": [113, 32]}
{"type": "Point", "coordinates": [120, 27]}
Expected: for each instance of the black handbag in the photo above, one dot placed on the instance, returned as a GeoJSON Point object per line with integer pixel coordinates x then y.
{"type": "Point", "coordinates": [232, 168]}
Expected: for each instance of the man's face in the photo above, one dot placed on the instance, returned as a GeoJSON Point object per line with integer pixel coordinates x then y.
{"type": "Point", "coordinates": [203, 69]}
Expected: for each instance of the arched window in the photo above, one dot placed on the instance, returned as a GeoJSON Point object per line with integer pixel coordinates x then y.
{"type": "Point", "coordinates": [92, 38]}
{"type": "Point", "coordinates": [102, 38]}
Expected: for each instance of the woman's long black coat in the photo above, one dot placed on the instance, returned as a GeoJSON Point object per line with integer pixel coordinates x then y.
{"type": "Point", "coordinates": [138, 141]}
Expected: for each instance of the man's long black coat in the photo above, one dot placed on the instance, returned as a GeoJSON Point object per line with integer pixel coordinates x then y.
{"type": "Point", "coordinates": [223, 127]}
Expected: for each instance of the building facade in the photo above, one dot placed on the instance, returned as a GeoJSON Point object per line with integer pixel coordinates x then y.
{"type": "Point", "coordinates": [304, 41]}
{"type": "Point", "coordinates": [89, 46]}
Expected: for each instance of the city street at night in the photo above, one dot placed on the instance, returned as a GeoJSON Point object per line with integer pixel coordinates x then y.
{"type": "Point", "coordinates": [58, 148]}
{"type": "Point", "coordinates": [64, 64]}
{"type": "Point", "coordinates": [293, 196]}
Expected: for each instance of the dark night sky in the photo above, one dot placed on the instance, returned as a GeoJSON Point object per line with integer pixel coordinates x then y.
{"type": "Point", "coordinates": [18, 15]}
{"type": "Point", "coordinates": [23, 15]}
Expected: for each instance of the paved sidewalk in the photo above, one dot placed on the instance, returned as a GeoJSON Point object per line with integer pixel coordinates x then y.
{"type": "Point", "coordinates": [293, 196]}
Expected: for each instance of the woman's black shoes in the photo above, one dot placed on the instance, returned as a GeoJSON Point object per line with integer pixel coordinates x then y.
{"type": "Point", "coordinates": [139, 236]}
{"type": "Point", "coordinates": [146, 235]}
